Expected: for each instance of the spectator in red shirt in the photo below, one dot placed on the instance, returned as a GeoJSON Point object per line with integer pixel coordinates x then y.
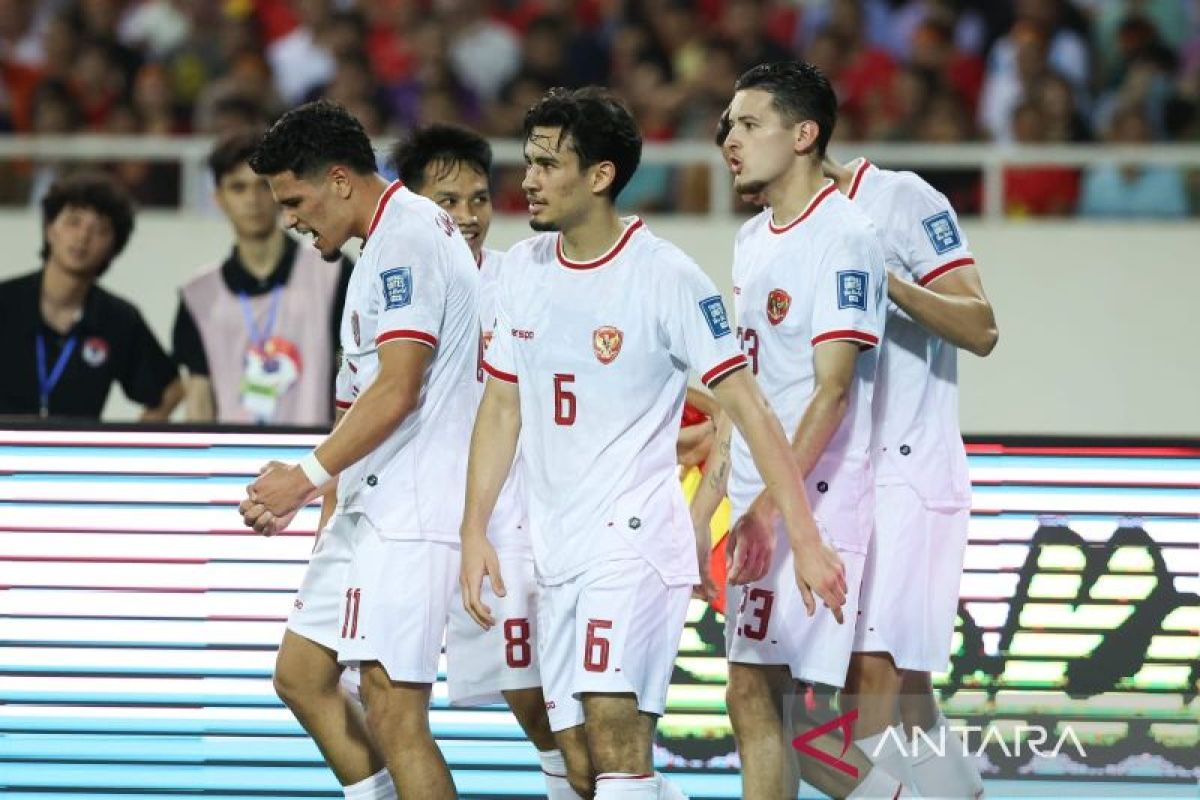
{"type": "Point", "coordinates": [1037, 191]}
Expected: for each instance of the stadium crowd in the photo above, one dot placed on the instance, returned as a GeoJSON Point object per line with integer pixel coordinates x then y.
{"type": "Point", "coordinates": [929, 71]}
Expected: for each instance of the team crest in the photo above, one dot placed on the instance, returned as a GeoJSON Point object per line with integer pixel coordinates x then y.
{"type": "Point", "coordinates": [606, 342]}
{"type": "Point", "coordinates": [778, 303]}
{"type": "Point", "coordinates": [355, 329]}
{"type": "Point", "coordinates": [95, 351]}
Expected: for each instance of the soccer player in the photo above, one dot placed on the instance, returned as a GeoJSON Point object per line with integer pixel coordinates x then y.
{"type": "Point", "coordinates": [809, 283]}
{"type": "Point", "coordinates": [597, 323]}
{"type": "Point", "coordinates": [922, 489]}
{"type": "Point", "coordinates": [450, 165]}
{"type": "Point", "coordinates": [378, 587]}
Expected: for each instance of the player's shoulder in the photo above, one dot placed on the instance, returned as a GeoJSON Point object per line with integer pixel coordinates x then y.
{"type": "Point", "coordinates": [754, 226]}
{"type": "Point", "coordinates": [839, 216]}
{"type": "Point", "coordinates": [528, 258]}
{"type": "Point", "coordinates": [908, 191]}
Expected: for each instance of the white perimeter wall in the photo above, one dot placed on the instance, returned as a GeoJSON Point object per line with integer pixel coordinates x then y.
{"type": "Point", "coordinates": [1099, 324]}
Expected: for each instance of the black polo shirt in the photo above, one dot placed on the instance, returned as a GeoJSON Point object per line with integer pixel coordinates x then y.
{"type": "Point", "coordinates": [186, 342]}
{"type": "Point", "coordinates": [112, 345]}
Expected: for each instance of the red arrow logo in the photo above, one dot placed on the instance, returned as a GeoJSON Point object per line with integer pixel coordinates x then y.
{"type": "Point", "coordinates": [845, 722]}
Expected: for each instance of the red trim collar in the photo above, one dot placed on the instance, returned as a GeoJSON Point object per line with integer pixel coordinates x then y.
{"type": "Point", "coordinates": [383, 201]}
{"type": "Point", "coordinates": [828, 189]}
{"type": "Point", "coordinates": [858, 176]}
{"type": "Point", "coordinates": [604, 259]}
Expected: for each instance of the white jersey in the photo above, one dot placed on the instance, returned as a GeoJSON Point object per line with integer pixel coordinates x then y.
{"type": "Point", "coordinates": [415, 281]}
{"type": "Point", "coordinates": [820, 278]}
{"type": "Point", "coordinates": [508, 528]}
{"type": "Point", "coordinates": [601, 352]}
{"type": "Point", "coordinates": [917, 437]}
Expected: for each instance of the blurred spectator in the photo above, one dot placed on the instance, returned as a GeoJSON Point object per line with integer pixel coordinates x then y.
{"type": "Point", "coordinates": [1037, 191]}
{"type": "Point", "coordinates": [1114, 190]}
{"type": "Point", "coordinates": [1056, 100]}
{"type": "Point", "coordinates": [244, 329]}
{"type": "Point", "coordinates": [485, 53]}
{"type": "Point", "coordinates": [67, 339]}
{"type": "Point", "coordinates": [301, 60]}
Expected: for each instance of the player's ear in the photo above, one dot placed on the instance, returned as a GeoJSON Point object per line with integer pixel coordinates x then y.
{"type": "Point", "coordinates": [602, 176]}
{"type": "Point", "coordinates": [338, 178]}
{"type": "Point", "coordinates": [806, 136]}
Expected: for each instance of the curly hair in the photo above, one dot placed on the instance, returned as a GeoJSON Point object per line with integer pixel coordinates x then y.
{"type": "Point", "coordinates": [313, 136]}
{"type": "Point", "coordinates": [599, 128]}
{"type": "Point", "coordinates": [440, 144]}
{"type": "Point", "coordinates": [799, 92]}
{"type": "Point", "coordinates": [98, 192]}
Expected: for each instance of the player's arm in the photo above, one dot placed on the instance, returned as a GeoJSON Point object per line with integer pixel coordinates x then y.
{"type": "Point", "coordinates": [376, 413]}
{"type": "Point", "coordinates": [198, 401]}
{"type": "Point", "coordinates": [493, 445]}
{"type": "Point", "coordinates": [833, 373]}
{"type": "Point", "coordinates": [716, 476]}
{"type": "Point", "coordinates": [953, 306]}
{"type": "Point", "coordinates": [819, 566]}
{"type": "Point", "coordinates": [329, 496]}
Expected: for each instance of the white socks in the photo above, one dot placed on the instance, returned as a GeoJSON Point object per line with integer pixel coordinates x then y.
{"type": "Point", "coordinates": [611, 785]}
{"type": "Point", "coordinates": [377, 787]}
{"type": "Point", "coordinates": [952, 775]}
{"type": "Point", "coordinates": [554, 770]}
{"type": "Point", "coordinates": [879, 785]}
{"type": "Point", "coordinates": [889, 750]}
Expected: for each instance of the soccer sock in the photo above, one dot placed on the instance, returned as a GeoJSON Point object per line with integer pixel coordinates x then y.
{"type": "Point", "coordinates": [887, 750]}
{"type": "Point", "coordinates": [879, 785]}
{"type": "Point", "coordinates": [377, 787]}
{"type": "Point", "coordinates": [668, 790]}
{"type": "Point", "coordinates": [951, 774]}
{"type": "Point", "coordinates": [554, 769]}
{"type": "Point", "coordinates": [623, 784]}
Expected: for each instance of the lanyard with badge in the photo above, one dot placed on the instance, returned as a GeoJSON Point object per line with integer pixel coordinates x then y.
{"type": "Point", "coordinates": [47, 381]}
{"type": "Point", "coordinates": [271, 365]}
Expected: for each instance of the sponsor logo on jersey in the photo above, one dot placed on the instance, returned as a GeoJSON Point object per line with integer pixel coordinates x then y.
{"type": "Point", "coordinates": [852, 289]}
{"type": "Point", "coordinates": [778, 303]}
{"type": "Point", "coordinates": [397, 287]}
{"type": "Point", "coordinates": [942, 232]}
{"type": "Point", "coordinates": [95, 351]}
{"type": "Point", "coordinates": [606, 343]}
{"type": "Point", "coordinates": [715, 315]}
{"type": "Point", "coordinates": [524, 335]}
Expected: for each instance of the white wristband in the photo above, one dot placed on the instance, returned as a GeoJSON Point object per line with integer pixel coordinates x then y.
{"type": "Point", "coordinates": [313, 470]}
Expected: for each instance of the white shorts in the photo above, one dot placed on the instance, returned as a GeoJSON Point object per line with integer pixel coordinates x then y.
{"type": "Point", "coordinates": [912, 579]}
{"type": "Point", "coordinates": [767, 623]}
{"type": "Point", "coordinates": [374, 599]}
{"type": "Point", "coordinates": [480, 664]}
{"type": "Point", "coordinates": [614, 628]}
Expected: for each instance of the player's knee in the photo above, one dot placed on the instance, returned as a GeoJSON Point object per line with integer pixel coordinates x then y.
{"type": "Point", "coordinates": [873, 675]}
{"type": "Point", "coordinates": [295, 685]}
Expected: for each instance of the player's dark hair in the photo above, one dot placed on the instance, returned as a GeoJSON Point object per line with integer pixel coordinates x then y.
{"type": "Point", "coordinates": [100, 193]}
{"type": "Point", "coordinates": [311, 137]}
{"type": "Point", "coordinates": [599, 128]}
{"type": "Point", "coordinates": [724, 126]}
{"type": "Point", "coordinates": [448, 146]}
{"type": "Point", "coordinates": [231, 152]}
{"type": "Point", "coordinates": [799, 92]}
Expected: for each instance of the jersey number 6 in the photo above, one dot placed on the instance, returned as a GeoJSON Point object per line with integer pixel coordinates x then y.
{"type": "Point", "coordinates": [564, 401]}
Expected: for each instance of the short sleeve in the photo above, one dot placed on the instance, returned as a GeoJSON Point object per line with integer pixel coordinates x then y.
{"type": "Point", "coordinates": [148, 370]}
{"type": "Point", "coordinates": [186, 342]}
{"type": "Point", "coordinates": [933, 243]}
{"type": "Point", "coordinates": [412, 295]}
{"type": "Point", "coordinates": [498, 360]}
{"type": "Point", "coordinates": [850, 292]}
{"type": "Point", "coordinates": [700, 329]}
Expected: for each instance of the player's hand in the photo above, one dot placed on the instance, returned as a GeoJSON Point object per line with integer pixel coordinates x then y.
{"type": "Point", "coordinates": [694, 443]}
{"type": "Point", "coordinates": [750, 549]}
{"type": "Point", "coordinates": [706, 589]}
{"type": "Point", "coordinates": [819, 570]}
{"type": "Point", "coordinates": [281, 488]}
{"type": "Point", "coordinates": [479, 559]}
{"type": "Point", "coordinates": [256, 516]}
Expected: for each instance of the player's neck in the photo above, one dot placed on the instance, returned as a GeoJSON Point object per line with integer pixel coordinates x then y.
{"type": "Point", "coordinates": [63, 289]}
{"type": "Point", "coordinates": [791, 193]}
{"type": "Point", "coordinates": [594, 236]}
{"type": "Point", "coordinates": [260, 256]}
{"type": "Point", "coordinates": [843, 176]}
{"type": "Point", "coordinates": [367, 192]}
